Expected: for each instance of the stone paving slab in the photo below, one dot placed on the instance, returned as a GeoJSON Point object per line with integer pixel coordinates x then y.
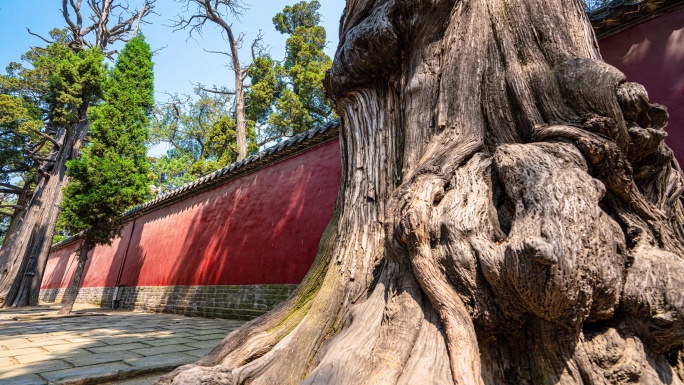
{"type": "Point", "coordinates": [46, 356]}
{"type": "Point", "coordinates": [11, 372]}
{"type": "Point", "coordinates": [27, 344]}
{"type": "Point", "coordinates": [38, 347]}
{"type": "Point", "coordinates": [117, 348]}
{"type": "Point", "coordinates": [168, 360]}
{"type": "Point", "coordinates": [198, 352]}
{"type": "Point", "coordinates": [157, 350]}
{"type": "Point", "coordinates": [28, 379]}
{"type": "Point", "coordinates": [169, 341]}
{"type": "Point", "coordinates": [207, 337]}
{"type": "Point", "coordinates": [81, 374]}
{"type": "Point", "coordinates": [20, 352]}
{"type": "Point", "coordinates": [68, 347]}
{"type": "Point", "coordinates": [203, 344]}
{"type": "Point", "coordinates": [95, 359]}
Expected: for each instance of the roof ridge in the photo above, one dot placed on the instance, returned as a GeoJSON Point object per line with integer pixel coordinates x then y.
{"type": "Point", "coordinates": [618, 15]}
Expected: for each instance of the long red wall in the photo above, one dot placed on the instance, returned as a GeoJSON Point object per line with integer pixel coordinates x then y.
{"type": "Point", "coordinates": [652, 53]}
{"type": "Point", "coordinates": [261, 228]}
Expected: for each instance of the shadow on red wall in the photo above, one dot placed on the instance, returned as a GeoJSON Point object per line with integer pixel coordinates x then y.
{"type": "Point", "coordinates": [261, 228]}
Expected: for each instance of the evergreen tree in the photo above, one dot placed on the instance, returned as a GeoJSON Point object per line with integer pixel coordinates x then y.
{"type": "Point", "coordinates": [26, 134]}
{"type": "Point", "coordinates": [112, 173]}
{"type": "Point", "coordinates": [60, 88]}
{"type": "Point", "coordinates": [288, 98]}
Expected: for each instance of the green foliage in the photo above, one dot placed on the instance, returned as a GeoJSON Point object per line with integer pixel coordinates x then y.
{"type": "Point", "coordinates": [112, 173]}
{"type": "Point", "coordinates": [303, 14]}
{"type": "Point", "coordinates": [202, 133]}
{"type": "Point", "coordinates": [23, 94]}
{"type": "Point", "coordinates": [288, 98]}
{"type": "Point", "coordinates": [18, 134]}
{"type": "Point", "coordinates": [25, 128]}
{"type": "Point", "coordinates": [59, 238]}
{"type": "Point", "coordinates": [75, 80]}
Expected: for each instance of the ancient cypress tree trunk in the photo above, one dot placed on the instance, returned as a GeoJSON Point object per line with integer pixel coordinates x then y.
{"type": "Point", "coordinates": [26, 256]}
{"type": "Point", "coordinates": [15, 224]}
{"type": "Point", "coordinates": [508, 213]}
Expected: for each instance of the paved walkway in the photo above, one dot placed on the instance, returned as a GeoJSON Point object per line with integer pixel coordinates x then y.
{"type": "Point", "coordinates": [95, 346]}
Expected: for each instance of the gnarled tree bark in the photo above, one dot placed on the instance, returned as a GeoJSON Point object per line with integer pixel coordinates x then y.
{"type": "Point", "coordinates": [508, 213]}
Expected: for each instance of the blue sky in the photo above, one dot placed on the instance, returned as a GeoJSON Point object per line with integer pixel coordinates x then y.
{"type": "Point", "coordinates": [183, 61]}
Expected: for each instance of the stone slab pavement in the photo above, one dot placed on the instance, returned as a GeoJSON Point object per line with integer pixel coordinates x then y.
{"type": "Point", "coordinates": [95, 346]}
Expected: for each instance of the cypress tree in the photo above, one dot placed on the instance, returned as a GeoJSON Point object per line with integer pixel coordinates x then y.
{"type": "Point", "coordinates": [112, 173]}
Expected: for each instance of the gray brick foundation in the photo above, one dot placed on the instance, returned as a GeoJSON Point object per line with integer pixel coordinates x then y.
{"type": "Point", "coordinates": [243, 302]}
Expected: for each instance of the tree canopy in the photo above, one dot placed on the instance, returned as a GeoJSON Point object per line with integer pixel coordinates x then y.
{"type": "Point", "coordinates": [286, 98]}
{"type": "Point", "coordinates": [283, 98]}
{"type": "Point", "coordinates": [112, 173]}
{"type": "Point", "coordinates": [201, 133]}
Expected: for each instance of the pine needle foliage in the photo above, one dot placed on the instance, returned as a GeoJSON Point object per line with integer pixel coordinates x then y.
{"type": "Point", "coordinates": [112, 173]}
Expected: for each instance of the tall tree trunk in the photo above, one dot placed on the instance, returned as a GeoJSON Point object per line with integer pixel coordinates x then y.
{"type": "Point", "coordinates": [508, 213]}
{"type": "Point", "coordinates": [240, 119]}
{"type": "Point", "coordinates": [27, 253]}
{"type": "Point", "coordinates": [72, 291]}
{"type": "Point", "coordinates": [15, 223]}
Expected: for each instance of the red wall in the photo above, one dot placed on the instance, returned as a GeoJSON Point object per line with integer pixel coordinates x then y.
{"type": "Point", "coordinates": [652, 54]}
{"type": "Point", "coordinates": [107, 261]}
{"type": "Point", "coordinates": [60, 267]}
{"type": "Point", "coordinates": [262, 228]}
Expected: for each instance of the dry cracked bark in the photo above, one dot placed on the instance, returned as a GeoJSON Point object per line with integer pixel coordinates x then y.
{"type": "Point", "coordinates": [508, 213]}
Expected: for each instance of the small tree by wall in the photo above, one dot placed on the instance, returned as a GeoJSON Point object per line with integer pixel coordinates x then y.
{"type": "Point", "coordinates": [112, 174]}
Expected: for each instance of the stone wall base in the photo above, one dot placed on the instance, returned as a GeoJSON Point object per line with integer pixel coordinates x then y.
{"type": "Point", "coordinates": [243, 302]}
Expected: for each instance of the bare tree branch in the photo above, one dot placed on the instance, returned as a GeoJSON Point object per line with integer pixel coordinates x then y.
{"type": "Point", "coordinates": [10, 189]}
{"type": "Point", "coordinates": [214, 90]}
{"type": "Point", "coordinates": [137, 23]}
{"type": "Point", "coordinates": [48, 138]}
{"type": "Point", "coordinates": [257, 46]}
{"type": "Point", "coordinates": [41, 159]}
{"type": "Point", "coordinates": [156, 51]}
{"type": "Point", "coordinates": [103, 11]}
{"type": "Point", "coordinates": [38, 36]}
{"type": "Point", "coordinates": [11, 207]}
